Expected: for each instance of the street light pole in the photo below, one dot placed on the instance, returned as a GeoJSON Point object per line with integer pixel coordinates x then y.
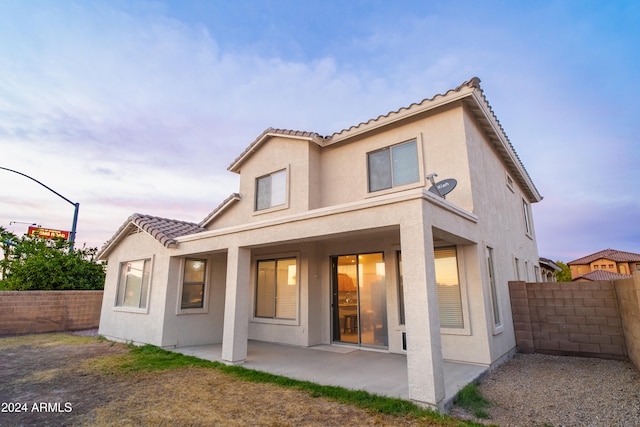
{"type": "Point", "coordinates": [72, 238]}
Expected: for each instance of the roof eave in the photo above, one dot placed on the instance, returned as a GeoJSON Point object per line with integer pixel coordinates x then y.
{"type": "Point", "coordinates": [265, 136]}
{"type": "Point", "coordinates": [111, 243]}
{"type": "Point", "coordinates": [502, 143]}
{"type": "Point", "coordinates": [404, 113]}
{"type": "Point", "coordinates": [223, 206]}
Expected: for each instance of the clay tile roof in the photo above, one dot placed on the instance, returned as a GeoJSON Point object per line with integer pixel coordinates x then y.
{"type": "Point", "coordinates": [473, 83]}
{"type": "Point", "coordinates": [164, 230]}
{"type": "Point", "coordinates": [603, 275]}
{"type": "Point", "coordinates": [612, 254]}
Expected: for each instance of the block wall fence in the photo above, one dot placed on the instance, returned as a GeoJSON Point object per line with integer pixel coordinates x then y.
{"type": "Point", "coordinates": [595, 319]}
{"type": "Point", "coordinates": [24, 312]}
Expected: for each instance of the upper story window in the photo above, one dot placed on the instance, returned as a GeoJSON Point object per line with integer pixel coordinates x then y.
{"type": "Point", "coordinates": [495, 303]}
{"type": "Point", "coordinates": [133, 284]}
{"type": "Point", "coordinates": [271, 190]}
{"type": "Point", "coordinates": [393, 166]}
{"type": "Point", "coordinates": [509, 182]}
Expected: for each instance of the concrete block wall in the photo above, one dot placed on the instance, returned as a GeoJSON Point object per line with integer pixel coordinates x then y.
{"type": "Point", "coordinates": [579, 318]}
{"type": "Point", "coordinates": [23, 312]}
{"type": "Point", "coordinates": [628, 293]}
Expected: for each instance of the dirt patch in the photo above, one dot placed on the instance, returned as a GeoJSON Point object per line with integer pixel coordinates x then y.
{"type": "Point", "coordinates": [64, 384]}
{"type": "Point", "coordinates": [41, 385]}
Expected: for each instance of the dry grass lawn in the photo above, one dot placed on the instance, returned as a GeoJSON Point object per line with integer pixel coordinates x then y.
{"type": "Point", "coordinates": [87, 375]}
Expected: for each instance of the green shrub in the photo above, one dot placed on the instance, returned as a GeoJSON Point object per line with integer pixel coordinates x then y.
{"type": "Point", "coordinates": [33, 263]}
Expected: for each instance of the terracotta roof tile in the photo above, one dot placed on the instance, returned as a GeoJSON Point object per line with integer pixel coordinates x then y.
{"type": "Point", "coordinates": [603, 275]}
{"type": "Point", "coordinates": [612, 254]}
{"type": "Point", "coordinates": [164, 230]}
{"type": "Point", "coordinates": [473, 83]}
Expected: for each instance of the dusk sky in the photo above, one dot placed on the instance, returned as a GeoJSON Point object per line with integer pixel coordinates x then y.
{"type": "Point", "coordinates": [140, 106]}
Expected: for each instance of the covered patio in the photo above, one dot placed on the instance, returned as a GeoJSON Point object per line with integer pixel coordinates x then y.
{"type": "Point", "coordinates": [373, 371]}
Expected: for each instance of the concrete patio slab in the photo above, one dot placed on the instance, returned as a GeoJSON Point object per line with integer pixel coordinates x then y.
{"type": "Point", "coordinates": [353, 368]}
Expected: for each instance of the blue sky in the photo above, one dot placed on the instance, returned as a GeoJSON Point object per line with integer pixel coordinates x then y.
{"type": "Point", "coordinates": [132, 106]}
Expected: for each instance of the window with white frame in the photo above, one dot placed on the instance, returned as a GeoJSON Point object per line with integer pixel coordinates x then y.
{"type": "Point", "coordinates": [497, 320]}
{"type": "Point", "coordinates": [509, 181]}
{"type": "Point", "coordinates": [133, 284]}
{"type": "Point", "coordinates": [393, 166]}
{"type": "Point", "coordinates": [271, 190]}
{"type": "Point", "coordinates": [527, 216]}
{"type": "Point", "coordinates": [193, 283]}
{"type": "Point", "coordinates": [448, 285]}
{"type": "Point", "coordinates": [277, 289]}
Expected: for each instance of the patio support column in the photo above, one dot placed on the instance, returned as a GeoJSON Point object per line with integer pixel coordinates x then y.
{"type": "Point", "coordinates": [236, 306]}
{"type": "Point", "coordinates": [422, 324]}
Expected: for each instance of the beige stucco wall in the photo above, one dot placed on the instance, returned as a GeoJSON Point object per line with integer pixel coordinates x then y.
{"type": "Point", "coordinates": [277, 154]}
{"type": "Point", "coordinates": [330, 212]}
{"type": "Point", "coordinates": [138, 326]}
{"type": "Point", "coordinates": [195, 326]}
{"type": "Point", "coordinates": [441, 145]}
{"type": "Point", "coordinates": [501, 227]}
{"type": "Point", "coordinates": [452, 145]}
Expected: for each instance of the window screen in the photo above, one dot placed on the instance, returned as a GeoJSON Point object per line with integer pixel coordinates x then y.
{"type": "Point", "coordinates": [448, 284]}
{"type": "Point", "coordinates": [394, 166]}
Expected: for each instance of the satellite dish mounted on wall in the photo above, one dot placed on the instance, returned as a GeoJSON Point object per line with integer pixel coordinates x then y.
{"type": "Point", "coordinates": [443, 187]}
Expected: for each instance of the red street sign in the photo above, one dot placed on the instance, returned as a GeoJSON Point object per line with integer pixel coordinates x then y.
{"type": "Point", "coordinates": [47, 233]}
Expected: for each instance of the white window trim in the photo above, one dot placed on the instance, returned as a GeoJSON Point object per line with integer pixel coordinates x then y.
{"type": "Point", "coordinates": [287, 171]}
{"type": "Point", "coordinates": [421, 175]}
{"type": "Point", "coordinates": [128, 309]}
{"type": "Point", "coordinates": [207, 278]}
{"type": "Point", "coordinates": [254, 284]}
{"type": "Point", "coordinates": [462, 278]}
{"type": "Point", "coordinates": [516, 267]}
{"type": "Point", "coordinates": [526, 217]}
{"type": "Point", "coordinates": [509, 181]}
{"type": "Point", "coordinates": [498, 328]}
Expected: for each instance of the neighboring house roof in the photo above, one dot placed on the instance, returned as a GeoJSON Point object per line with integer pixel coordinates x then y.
{"type": "Point", "coordinates": [602, 275]}
{"type": "Point", "coordinates": [612, 254]}
{"type": "Point", "coordinates": [549, 264]}
{"type": "Point", "coordinates": [221, 207]}
{"type": "Point", "coordinates": [164, 230]}
{"type": "Point", "coordinates": [468, 92]}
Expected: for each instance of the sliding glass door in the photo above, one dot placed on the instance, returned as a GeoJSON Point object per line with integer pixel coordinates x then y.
{"type": "Point", "coordinates": [359, 299]}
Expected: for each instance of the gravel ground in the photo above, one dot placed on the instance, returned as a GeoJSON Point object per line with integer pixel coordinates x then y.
{"type": "Point", "coordinates": [541, 390]}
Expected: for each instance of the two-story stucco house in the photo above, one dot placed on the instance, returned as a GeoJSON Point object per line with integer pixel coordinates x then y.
{"type": "Point", "coordinates": [343, 240]}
